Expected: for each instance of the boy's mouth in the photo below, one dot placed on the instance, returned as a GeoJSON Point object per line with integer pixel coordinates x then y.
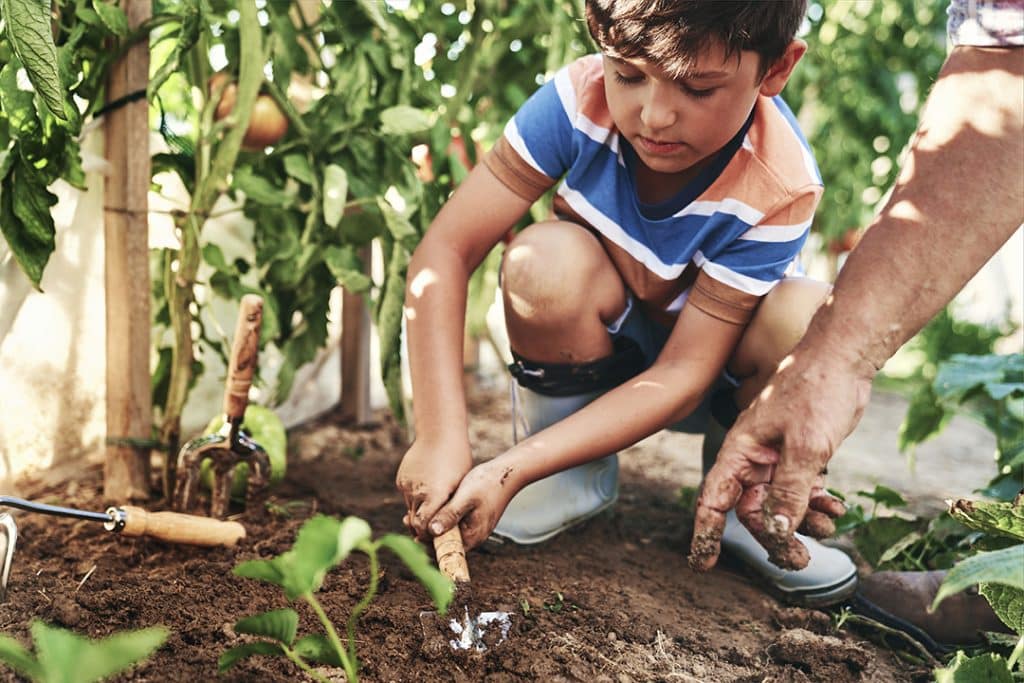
{"type": "Point", "coordinates": [659, 147]}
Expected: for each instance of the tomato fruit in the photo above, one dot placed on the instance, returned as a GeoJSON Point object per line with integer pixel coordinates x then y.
{"type": "Point", "coordinates": [267, 123]}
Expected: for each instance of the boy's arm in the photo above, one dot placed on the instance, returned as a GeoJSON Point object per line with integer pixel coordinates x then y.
{"type": "Point", "coordinates": [470, 223]}
{"type": "Point", "coordinates": [668, 391]}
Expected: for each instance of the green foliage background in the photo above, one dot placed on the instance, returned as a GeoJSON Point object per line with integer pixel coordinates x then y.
{"type": "Point", "coordinates": [387, 76]}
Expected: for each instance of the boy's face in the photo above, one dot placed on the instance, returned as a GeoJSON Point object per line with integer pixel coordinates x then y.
{"type": "Point", "coordinates": [675, 124]}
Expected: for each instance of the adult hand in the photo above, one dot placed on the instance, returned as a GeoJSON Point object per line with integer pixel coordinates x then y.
{"type": "Point", "coordinates": [771, 465]}
{"type": "Point", "coordinates": [477, 504]}
{"type": "Point", "coordinates": [427, 477]}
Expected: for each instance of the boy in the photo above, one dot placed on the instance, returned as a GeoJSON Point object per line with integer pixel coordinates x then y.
{"type": "Point", "coordinates": [688, 192]}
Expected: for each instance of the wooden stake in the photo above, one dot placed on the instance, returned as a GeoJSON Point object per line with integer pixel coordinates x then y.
{"type": "Point", "coordinates": [126, 238]}
{"type": "Point", "coordinates": [355, 354]}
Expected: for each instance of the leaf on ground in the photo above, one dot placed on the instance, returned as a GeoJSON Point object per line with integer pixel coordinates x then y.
{"type": "Point", "coordinates": [66, 656]}
{"type": "Point", "coordinates": [988, 667]}
{"type": "Point", "coordinates": [318, 649]}
{"type": "Point", "coordinates": [1008, 604]}
{"type": "Point", "coordinates": [1002, 518]}
{"type": "Point", "coordinates": [1005, 567]}
{"type": "Point", "coordinates": [18, 658]}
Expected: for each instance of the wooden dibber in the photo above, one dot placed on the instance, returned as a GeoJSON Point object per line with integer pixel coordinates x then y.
{"type": "Point", "coordinates": [175, 527]}
{"type": "Point", "coordinates": [451, 556]}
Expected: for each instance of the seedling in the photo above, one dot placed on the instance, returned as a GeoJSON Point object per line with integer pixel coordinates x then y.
{"type": "Point", "coordinates": [322, 544]}
{"type": "Point", "coordinates": [62, 655]}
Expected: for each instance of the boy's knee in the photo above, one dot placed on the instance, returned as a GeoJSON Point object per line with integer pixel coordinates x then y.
{"type": "Point", "coordinates": [551, 268]}
{"type": "Point", "coordinates": [778, 324]}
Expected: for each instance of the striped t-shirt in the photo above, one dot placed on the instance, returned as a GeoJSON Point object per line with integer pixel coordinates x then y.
{"type": "Point", "coordinates": [722, 243]}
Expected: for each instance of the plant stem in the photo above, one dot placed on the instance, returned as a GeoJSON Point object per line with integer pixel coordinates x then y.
{"type": "Point", "coordinates": [371, 592]}
{"type": "Point", "coordinates": [1015, 656]}
{"type": "Point", "coordinates": [350, 665]}
{"type": "Point", "coordinates": [301, 663]}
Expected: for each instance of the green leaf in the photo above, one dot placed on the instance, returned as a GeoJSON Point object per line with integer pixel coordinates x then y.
{"type": "Point", "coordinates": [68, 657]}
{"type": "Point", "coordinates": [1005, 567]}
{"type": "Point", "coordinates": [988, 667]}
{"type": "Point", "coordinates": [412, 554]}
{"type": "Point", "coordinates": [353, 532]}
{"type": "Point", "coordinates": [398, 225]}
{"type": "Point", "coordinates": [191, 23]}
{"type": "Point", "coordinates": [1007, 603]}
{"type": "Point", "coordinates": [297, 166]}
{"type": "Point", "coordinates": [404, 120]}
{"type": "Point", "coordinates": [883, 495]}
{"type": "Point", "coordinates": [879, 534]}
{"type": "Point", "coordinates": [112, 16]}
{"type": "Point", "coordinates": [27, 25]}
{"type": "Point", "coordinates": [335, 194]}
{"type": "Point", "coordinates": [345, 266]}
{"type": "Point", "coordinates": [999, 375]}
{"type": "Point", "coordinates": [237, 654]}
{"type": "Point", "coordinates": [317, 648]}
{"type": "Point", "coordinates": [925, 418]}
{"type": "Point", "coordinates": [1003, 518]}
{"type": "Point", "coordinates": [15, 102]}
{"type": "Point", "coordinates": [26, 223]}
{"type": "Point", "coordinates": [258, 189]}
{"type": "Point", "coordinates": [278, 624]}
{"type": "Point", "coordinates": [19, 659]}
{"type": "Point", "coordinates": [301, 570]}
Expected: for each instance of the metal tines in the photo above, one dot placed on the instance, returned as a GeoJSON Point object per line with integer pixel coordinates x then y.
{"type": "Point", "coordinates": [9, 533]}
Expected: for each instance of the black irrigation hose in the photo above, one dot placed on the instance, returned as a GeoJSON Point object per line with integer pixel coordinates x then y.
{"type": "Point", "coordinates": [57, 510]}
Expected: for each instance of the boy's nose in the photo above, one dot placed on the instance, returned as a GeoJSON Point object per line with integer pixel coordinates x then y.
{"type": "Point", "coordinates": [657, 113]}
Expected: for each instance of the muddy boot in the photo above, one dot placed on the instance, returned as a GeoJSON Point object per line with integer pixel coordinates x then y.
{"type": "Point", "coordinates": [829, 578]}
{"type": "Point", "coordinates": [546, 507]}
{"type": "Point", "coordinates": [901, 600]}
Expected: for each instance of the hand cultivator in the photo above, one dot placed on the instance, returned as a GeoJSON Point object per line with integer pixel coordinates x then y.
{"type": "Point", "coordinates": [229, 446]}
{"type": "Point", "coordinates": [126, 520]}
{"type": "Point", "coordinates": [471, 631]}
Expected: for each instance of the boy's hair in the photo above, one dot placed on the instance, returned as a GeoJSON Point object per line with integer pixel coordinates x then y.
{"type": "Point", "coordinates": [674, 33]}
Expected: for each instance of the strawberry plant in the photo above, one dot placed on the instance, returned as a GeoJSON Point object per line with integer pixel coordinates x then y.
{"type": "Point", "coordinates": [63, 656]}
{"type": "Point", "coordinates": [322, 544]}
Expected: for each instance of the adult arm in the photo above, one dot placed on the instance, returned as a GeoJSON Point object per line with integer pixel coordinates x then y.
{"type": "Point", "coordinates": [470, 223]}
{"type": "Point", "coordinates": [958, 198]}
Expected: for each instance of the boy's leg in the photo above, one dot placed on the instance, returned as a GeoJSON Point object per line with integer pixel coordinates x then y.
{"type": "Point", "coordinates": [560, 293]}
{"type": "Point", "coordinates": [780, 321]}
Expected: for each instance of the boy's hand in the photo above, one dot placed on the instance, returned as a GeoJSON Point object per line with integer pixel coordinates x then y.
{"type": "Point", "coordinates": [808, 407]}
{"type": "Point", "coordinates": [427, 478]}
{"type": "Point", "coordinates": [477, 505]}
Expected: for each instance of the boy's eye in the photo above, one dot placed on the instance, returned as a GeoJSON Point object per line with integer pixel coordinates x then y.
{"type": "Point", "coordinates": [628, 80]}
{"type": "Point", "coordinates": [697, 93]}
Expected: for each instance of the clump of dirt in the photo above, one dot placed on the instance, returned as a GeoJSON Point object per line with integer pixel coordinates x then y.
{"type": "Point", "coordinates": [611, 600]}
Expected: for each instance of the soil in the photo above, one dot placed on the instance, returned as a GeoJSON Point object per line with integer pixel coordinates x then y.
{"type": "Point", "coordinates": [611, 600]}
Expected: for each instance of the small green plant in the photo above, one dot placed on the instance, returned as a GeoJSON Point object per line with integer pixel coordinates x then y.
{"type": "Point", "coordinates": [999, 575]}
{"type": "Point", "coordinates": [322, 544]}
{"type": "Point", "coordinates": [62, 655]}
{"type": "Point", "coordinates": [898, 541]}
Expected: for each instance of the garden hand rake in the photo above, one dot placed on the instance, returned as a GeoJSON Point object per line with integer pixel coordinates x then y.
{"type": "Point", "coordinates": [127, 520]}
{"type": "Point", "coordinates": [229, 446]}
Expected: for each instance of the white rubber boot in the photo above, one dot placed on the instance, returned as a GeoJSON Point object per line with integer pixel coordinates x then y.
{"type": "Point", "coordinates": [830, 576]}
{"type": "Point", "coordinates": [553, 504]}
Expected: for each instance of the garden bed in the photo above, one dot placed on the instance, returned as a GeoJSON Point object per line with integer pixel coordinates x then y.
{"type": "Point", "coordinates": [612, 600]}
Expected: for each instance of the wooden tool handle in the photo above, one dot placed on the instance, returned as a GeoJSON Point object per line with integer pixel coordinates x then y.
{"type": "Point", "coordinates": [242, 362]}
{"type": "Point", "coordinates": [175, 527]}
{"type": "Point", "coordinates": [451, 555]}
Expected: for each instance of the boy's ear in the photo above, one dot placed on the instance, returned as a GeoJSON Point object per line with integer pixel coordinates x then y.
{"type": "Point", "coordinates": [778, 73]}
